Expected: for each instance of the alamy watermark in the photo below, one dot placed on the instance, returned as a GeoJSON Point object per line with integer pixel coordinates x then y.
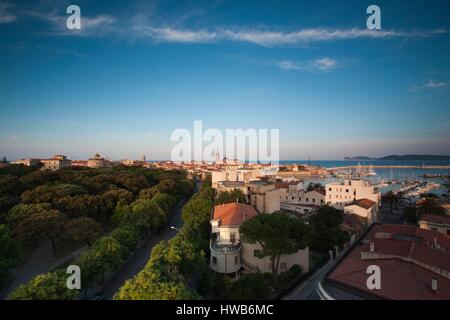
{"type": "Point", "coordinates": [246, 145]}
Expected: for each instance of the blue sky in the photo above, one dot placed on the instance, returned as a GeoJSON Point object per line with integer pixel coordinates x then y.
{"type": "Point", "coordinates": [137, 70]}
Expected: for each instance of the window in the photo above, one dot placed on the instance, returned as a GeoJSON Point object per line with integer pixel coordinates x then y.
{"type": "Point", "coordinates": [314, 199]}
{"type": "Point", "coordinates": [329, 189]}
{"type": "Point", "coordinates": [448, 232]}
{"type": "Point", "coordinates": [307, 199]}
{"type": "Point", "coordinates": [256, 253]}
{"type": "Point", "coordinates": [214, 260]}
{"type": "Point", "coordinates": [233, 237]}
{"type": "Point", "coordinates": [346, 190]}
{"type": "Point", "coordinates": [236, 260]}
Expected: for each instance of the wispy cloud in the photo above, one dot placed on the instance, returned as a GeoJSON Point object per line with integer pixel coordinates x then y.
{"type": "Point", "coordinates": [95, 26]}
{"type": "Point", "coordinates": [429, 85]}
{"type": "Point", "coordinates": [317, 65]}
{"type": "Point", "coordinates": [5, 15]}
{"type": "Point", "coordinates": [266, 37]}
{"type": "Point", "coordinates": [176, 35]}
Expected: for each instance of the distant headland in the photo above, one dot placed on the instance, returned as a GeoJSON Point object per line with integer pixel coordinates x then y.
{"type": "Point", "coordinates": [409, 157]}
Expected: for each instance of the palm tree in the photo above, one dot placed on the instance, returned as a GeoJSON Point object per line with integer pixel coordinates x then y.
{"type": "Point", "coordinates": [429, 205]}
{"type": "Point", "coordinates": [410, 214]}
{"type": "Point", "coordinates": [390, 198]}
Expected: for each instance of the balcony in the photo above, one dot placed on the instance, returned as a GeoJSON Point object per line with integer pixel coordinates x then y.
{"type": "Point", "coordinates": [225, 248]}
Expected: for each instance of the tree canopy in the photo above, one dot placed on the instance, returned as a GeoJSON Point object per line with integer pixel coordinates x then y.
{"type": "Point", "coordinates": [277, 234]}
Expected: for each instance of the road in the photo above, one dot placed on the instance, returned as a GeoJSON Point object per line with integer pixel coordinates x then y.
{"type": "Point", "coordinates": [37, 264]}
{"type": "Point", "coordinates": [139, 259]}
{"type": "Point", "coordinates": [307, 289]}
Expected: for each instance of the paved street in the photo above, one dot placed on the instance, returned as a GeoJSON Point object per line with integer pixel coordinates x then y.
{"type": "Point", "coordinates": [307, 289]}
{"type": "Point", "coordinates": [139, 259]}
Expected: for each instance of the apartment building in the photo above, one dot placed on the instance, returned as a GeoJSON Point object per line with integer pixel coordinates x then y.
{"type": "Point", "coordinates": [231, 256]}
{"type": "Point", "coordinates": [233, 173]}
{"type": "Point", "coordinates": [264, 196]}
{"type": "Point", "coordinates": [294, 197]}
{"type": "Point", "coordinates": [341, 194]}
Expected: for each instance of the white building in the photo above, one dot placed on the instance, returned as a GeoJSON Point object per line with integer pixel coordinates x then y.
{"type": "Point", "coordinates": [364, 208]}
{"type": "Point", "coordinates": [27, 162]}
{"type": "Point", "coordinates": [339, 195]}
{"type": "Point", "coordinates": [230, 255]}
{"type": "Point", "coordinates": [295, 198]}
{"type": "Point", "coordinates": [233, 173]}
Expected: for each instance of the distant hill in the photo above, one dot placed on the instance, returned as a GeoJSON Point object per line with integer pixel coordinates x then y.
{"type": "Point", "coordinates": [415, 157]}
{"type": "Point", "coordinates": [410, 157]}
{"type": "Point", "coordinates": [360, 158]}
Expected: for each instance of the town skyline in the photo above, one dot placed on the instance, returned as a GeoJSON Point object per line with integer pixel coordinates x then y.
{"type": "Point", "coordinates": [136, 72]}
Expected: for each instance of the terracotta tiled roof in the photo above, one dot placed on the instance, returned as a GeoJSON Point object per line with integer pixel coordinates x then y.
{"type": "Point", "coordinates": [282, 185]}
{"type": "Point", "coordinates": [436, 219]}
{"type": "Point", "coordinates": [406, 258]}
{"type": "Point", "coordinates": [363, 203]}
{"type": "Point", "coordinates": [233, 214]}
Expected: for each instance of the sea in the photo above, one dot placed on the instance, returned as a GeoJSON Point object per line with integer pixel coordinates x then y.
{"type": "Point", "coordinates": [402, 174]}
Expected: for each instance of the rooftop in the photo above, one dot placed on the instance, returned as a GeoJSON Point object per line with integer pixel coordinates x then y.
{"type": "Point", "coordinates": [436, 219]}
{"type": "Point", "coordinates": [363, 203]}
{"type": "Point", "coordinates": [233, 214]}
{"type": "Point", "coordinates": [409, 259]}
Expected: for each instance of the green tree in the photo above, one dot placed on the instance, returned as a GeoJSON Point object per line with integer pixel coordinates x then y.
{"type": "Point", "coordinates": [151, 284]}
{"type": "Point", "coordinates": [391, 198]}
{"type": "Point", "coordinates": [326, 229]}
{"type": "Point", "coordinates": [410, 214]}
{"type": "Point", "coordinates": [10, 252]}
{"type": "Point", "coordinates": [49, 193]}
{"type": "Point", "coordinates": [429, 205]}
{"type": "Point", "coordinates": [48, 286]}
{"type": "Point", "coordinates": [23, 211]}
{"type": "Point", "coordinates": [146, 216]}
{"type": "Point", "coordinates": [230, 196]}
{"type": "Point", "coordinates": [46, 225]}
{"type": "Point", "coordinates": [250, 287]}
{"type": "Point", "coordinates": [168, 186]}
{"type": "Point", "coordinates": [277, 234]}
{"type": "Point", "coordinates": [186, 187]}
{"type": "Point", "coordinates": [83, 229]}
{"type": "Point", "coordinates": [126, 236]}
{"type": "Point", "coordinates": [165, 202]}
{"type": "Point", "coordinates": [175, 256]}
{"type": "Point", "coordinates": [315, 187]}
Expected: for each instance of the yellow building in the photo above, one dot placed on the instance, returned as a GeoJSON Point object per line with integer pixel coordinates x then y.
{"type": "Point", "coordinates": [56, 162]}
{"type": "Point", "coordinates": [98, 162]}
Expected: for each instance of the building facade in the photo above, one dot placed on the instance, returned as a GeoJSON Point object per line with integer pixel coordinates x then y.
{"type": "Point", "coordinates": [98, 162]}
{"type": "Point", "coordinates": [339, 195]}
{"type": "Point", "coordinates": [56, 162]}
{"type": "Point", "coordinates": [231, 256]}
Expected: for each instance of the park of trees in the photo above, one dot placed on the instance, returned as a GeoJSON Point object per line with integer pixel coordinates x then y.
{"type": "Point", "coordinates": [111, 211]}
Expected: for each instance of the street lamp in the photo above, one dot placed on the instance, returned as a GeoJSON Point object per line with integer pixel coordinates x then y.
{"type": "Point", "coordinates": [179, 230]}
